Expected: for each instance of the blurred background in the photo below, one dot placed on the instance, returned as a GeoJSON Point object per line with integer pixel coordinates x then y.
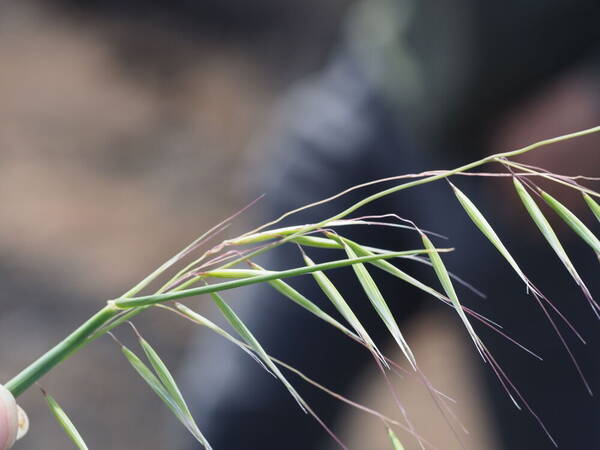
{"type": "Point", "coordinates": [124, 134]}
{"type": "Point", "coordinates": [127, 128]}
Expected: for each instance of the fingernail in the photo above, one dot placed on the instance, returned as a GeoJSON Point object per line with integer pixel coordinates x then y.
{"type": "Point", "coordinates": [8, 419]}
{"type": "Point", "coordinates": [22, 423]}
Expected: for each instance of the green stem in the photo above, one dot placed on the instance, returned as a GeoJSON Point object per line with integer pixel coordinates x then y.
{"type": "Point", "coordinates": [61, 351]}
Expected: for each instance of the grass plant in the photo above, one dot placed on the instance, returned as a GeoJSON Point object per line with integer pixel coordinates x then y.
{"type": "Point", "coordinates": [221, 267]}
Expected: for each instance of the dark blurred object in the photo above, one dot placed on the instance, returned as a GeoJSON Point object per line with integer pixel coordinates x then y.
{"type": "Point", "coordinates": [419, 85]}
{"type": "Point", "coordinates": [452, 69]}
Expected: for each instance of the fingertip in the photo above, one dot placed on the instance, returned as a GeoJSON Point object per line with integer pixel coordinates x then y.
{"type": "Point", "coordinates": [9, 419]}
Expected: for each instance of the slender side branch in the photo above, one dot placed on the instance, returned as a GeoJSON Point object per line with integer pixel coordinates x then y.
{"type": "Point", "coordinates": [126, 303]}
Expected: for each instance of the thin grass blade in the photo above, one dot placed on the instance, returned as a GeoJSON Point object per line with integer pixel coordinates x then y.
{"type": "Point", "coordinates": [544, 226]}
{"type": "Point", "coordinates": [319, 242]}
{"type": "Point", "coordinates": [342, 306]}
{"type": "Point", "coordinates": [162, 392]}
{"type": "Point", "coordinates": [480, 221]}
{"type": "Point", "coordinates": [395, 271]}
{"type": "Point", "coordinates": [193, 316]}
{"type": "Point", "coordinates": [573, 221]}
{"type": "Point", "coordinates": [396, 444]}
{"type": "Point", "coordinates": [249, 338]}
{"type": "Point", "coordinates": [444, 277]}
{"type": "Point", "coordinates": [201, 320]}
{"type": "Point", "coordinates": [315, 241]}
{"type": "Point", "coordinates": [594, 206]}
{"type": "Point", "coordinates": [164, 375]}
{"type": "Point", "coordinates": [379, 303]}
{"type": "Point", "coordinates": [291, 293]}
{"type": "Point", "coordinates": [65, 422]}
{"type": "Point", "coordinates": [344, 309]}
{"type": "Point", "coordinates": [484, 226]}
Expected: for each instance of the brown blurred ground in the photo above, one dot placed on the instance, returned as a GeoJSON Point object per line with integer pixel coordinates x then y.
{"type": "Point", "coordinates": [105, 171]}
